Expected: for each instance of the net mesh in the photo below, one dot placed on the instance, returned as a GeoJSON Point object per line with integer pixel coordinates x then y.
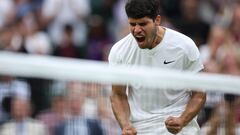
{"type": "Point", "coordinates": [68, 93]}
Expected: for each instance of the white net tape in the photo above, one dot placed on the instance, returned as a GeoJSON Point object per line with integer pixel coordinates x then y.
{"type": "Point", "coordinates": [100, 72]}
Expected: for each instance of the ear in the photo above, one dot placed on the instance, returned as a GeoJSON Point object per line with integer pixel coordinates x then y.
{"type": "Point", "coordinates": [158, 20]}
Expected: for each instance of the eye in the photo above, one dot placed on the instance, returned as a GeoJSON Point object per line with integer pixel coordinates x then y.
{"type": "Point", "coordinates": [142, 24]}
{"type": "Point", "coordinates": [133, 24]}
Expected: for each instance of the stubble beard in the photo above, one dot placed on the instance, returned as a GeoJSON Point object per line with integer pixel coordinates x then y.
{"type": "Point", "coordinates": [152, 38]}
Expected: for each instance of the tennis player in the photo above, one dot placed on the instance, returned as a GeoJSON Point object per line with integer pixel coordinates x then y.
{"type": "Point", "coordinates": [144, 111]}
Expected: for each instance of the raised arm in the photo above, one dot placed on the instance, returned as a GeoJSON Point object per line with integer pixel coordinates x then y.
{"type": "Point", "coordinates": [196, 102]}
{"type": "Point", "coordinates": [121, 109]}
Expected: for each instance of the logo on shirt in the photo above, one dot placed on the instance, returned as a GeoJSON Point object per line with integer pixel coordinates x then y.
{"type": "Point", "coordinates": [168, 62]}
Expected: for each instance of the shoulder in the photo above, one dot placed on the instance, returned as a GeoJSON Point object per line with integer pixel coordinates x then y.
{"type": "Point", "coordinates": [36, 123]}
{"type": "Point", "coordinates": [120, 48]}
{"type": "Point", "coordinates": [179, 38]}
{"type": "Point", "coordinates": [6, 125]}
{"type": "Point", "coordinates": [127, 40]}
{"type": "Point", "coordinates": [184, 43]}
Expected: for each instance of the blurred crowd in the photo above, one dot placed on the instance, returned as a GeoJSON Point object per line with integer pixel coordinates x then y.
{"type": "Point", "coordinates": [86, 29]}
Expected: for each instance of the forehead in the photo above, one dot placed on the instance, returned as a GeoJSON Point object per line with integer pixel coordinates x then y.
{"type": "Point", "coordinates": [139, 20]}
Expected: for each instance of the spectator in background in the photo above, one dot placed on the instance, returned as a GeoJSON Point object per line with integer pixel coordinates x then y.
{"type": "Point", "coordinates": [23, 7]}
{"type": "Point", "coordinates": [22, 33]}
{"type": "Point", "coordinates": [171, 8]}
{"type": "Point", "coordinates": [7, 13]}
{"type": "Point", "coordinates": [16, 40]}
{"type": "Point", "coordinates": [215, 124]}
{"type": "Point", "coordinates": [98, 38]}
{"type": "Point", "coordinates": [101, 7]}
{"type": "Point", "coordinates": [6, 37]}
{"type": "Point", "coordinates": [21, 122]}
{"type": "Point", "coordinates": [215, 11]}
{"type": "Point", "coordinates": [230, 65]}
{"type": "Point", "coordinates": [97, 106]}
{"type": "Point", "coordinates": [222, 120]}
{"type": "Point", "coordinates": [105, 115]}
{"type": "Point", "coordinates": [105, 9]}
{"type": "Point", "coordinates": [121, 25]}
{"type": "Point", "coordinates": [77, 124]}
{"type": "Point", "coordinates": [230, 62]}
{"type": "Point", "coordinates": [57, 13]}
{"type": "Point", "coordinates": [36, 41]}
{"type": "Point", "coordinates": [210, 52]}
{"type": "Point", "coordinates": [190, 23]}
{"type": "Point", "coordinates": [53, 117]}
{"type": "Point", "coordinates": [4, 94]}
{"type": "Point", "coordinates": [92, 92]}
{"type": "Point", "coordinates": [67, 47]}
{"type": "Point", "coordinates": [10, 86]}
{"type": "Point", "coordinates": [235, 25]}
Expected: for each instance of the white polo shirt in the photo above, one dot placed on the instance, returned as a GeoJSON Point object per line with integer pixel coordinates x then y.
{"type": "Point", "coordinates": [149, 106]}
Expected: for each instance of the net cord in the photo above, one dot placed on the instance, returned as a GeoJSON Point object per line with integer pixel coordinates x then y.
{"type": "Point", "coordinates": [67, 69]}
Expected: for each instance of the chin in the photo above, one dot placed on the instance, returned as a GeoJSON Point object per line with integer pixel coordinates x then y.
{"type": "Point", "coordinates": [142, 46]}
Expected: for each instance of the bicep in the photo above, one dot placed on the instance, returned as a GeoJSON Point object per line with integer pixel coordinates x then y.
{"type": "Point", "coordinates": [199, 95]}
{"type": "Point", "coordinates": [118, 90]}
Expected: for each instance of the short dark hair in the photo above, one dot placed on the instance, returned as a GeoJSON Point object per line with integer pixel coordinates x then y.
{"type": "Point", "coordinates": [68, 28]}
{"type": "Point", "coordinates": [142, 8]}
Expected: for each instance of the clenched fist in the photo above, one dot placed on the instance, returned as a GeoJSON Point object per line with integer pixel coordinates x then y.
{"type": "Point", "coordinates": [129, 130]}
{"type": "Point", "coordinates": [174, 124]}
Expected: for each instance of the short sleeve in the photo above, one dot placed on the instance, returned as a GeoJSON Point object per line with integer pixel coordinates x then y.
{"type": "Point", "coordinates": [193, 62]}
{"type": "Point", "coordinates": [113, 57]}
{"type": "Point", "coordinates": [194, 65]}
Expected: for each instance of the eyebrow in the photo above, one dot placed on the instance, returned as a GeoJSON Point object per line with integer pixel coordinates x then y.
{"type": "Point", "coordinates": [133, 24]}
{"type": "Point", "coordinates": [141, 24]}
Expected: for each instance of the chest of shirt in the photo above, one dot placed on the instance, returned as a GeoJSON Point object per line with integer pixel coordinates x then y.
{"type": "Point", "coordinates": [170, 59]}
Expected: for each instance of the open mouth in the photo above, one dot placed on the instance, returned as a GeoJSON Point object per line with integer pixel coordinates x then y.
{"type": "Point", "coordinates": [140, 38]}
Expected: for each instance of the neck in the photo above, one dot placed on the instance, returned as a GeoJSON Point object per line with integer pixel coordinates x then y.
{"type": "Point", "coordinates": [159, 35]}
{"type": "Point", "coordinates": [19, 119]}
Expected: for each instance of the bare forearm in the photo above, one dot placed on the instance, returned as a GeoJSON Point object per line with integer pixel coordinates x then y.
{"type": "Point", "coordinates": [120, 108]}
{"type": "Point", "coordinates": [193, 107]}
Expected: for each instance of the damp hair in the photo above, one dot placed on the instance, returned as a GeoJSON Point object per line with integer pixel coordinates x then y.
{"type": "Point", "coordinates": [142, 8]}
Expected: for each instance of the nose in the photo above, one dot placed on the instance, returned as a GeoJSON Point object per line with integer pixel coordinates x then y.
{"type": "Point", "coordinates": [137, 29]}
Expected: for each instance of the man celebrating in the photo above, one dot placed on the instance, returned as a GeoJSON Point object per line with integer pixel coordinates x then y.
{"type": "Point", "coordinates": [145, 111]}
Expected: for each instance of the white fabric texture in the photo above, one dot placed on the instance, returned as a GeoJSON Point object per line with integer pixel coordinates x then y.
{"type": "Point", "coordinates": [150, 106]}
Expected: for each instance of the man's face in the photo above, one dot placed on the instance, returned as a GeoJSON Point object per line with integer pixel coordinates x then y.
{"type": "Point", "coordinates": [20, 109]}
{"type": "Point", "coordinates": [144, 30]}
